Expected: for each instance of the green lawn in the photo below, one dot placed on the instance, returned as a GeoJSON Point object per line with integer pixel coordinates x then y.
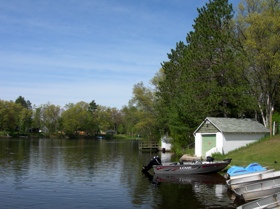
{"type": "Point", "coordinates": [265, 152]}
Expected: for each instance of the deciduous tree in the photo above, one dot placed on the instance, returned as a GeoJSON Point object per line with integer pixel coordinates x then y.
{"type": "Point", "coordinates": [144, 101]}
{"type": "Point", "coordinates": [258, 26]}
{"type": "Point", "coordinates": [50, 117]}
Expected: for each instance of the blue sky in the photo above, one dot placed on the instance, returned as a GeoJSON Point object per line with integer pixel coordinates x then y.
{"type": "Point", "coordinates": [67, 51]}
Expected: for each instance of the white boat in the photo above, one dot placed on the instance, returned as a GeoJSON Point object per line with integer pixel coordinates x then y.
{"type": "Point", "coordinates": [271, 201]}
{"type": "Point", "coordinates": [240, 182]}
{"type": "Point", "coordinates": [258, 190]}
{"type": "Point", "coordinates": [251, 174]}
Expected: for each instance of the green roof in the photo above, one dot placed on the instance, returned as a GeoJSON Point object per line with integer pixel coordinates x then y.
{"type": "Point", "coordinates": [236, 125]}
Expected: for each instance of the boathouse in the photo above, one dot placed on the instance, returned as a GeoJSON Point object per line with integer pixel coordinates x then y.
{"type": "Point", "coordinates": [221, 135]}
{"type": "Point", "coordinates": [166, 143]}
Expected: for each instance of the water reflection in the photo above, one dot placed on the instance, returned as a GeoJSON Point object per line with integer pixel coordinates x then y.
{"type": "Point", "coordinates": [95, 174]}
{"type": "Point", "coordinates": [209, 189]}
{"type": "Point", "coordinates": [209, 179]}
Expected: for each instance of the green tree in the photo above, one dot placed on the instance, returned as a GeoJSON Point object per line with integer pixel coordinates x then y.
{"type": "Point", "coordinates": [25, 103]}
{"type": "Point", "coordinates": [144, 99]}
{"type": "Point", "coordinates": [8, 115]}
{"type": "Point", "coordinates": [50, 117]}
{"type": "Point", "coordinates": [25, 116]}
{"type": "Point", "coordinates": [24, 120]}
{"type": "Point", "coordinates": [37, 117]}
{"type": "Point", "coordinates": [77, 117]}
{"type": "Point", "coordinates": [212, 53]}
{"type": "Point", "coordinates": [107, 118]}
{"type": "Point", "coordinates": [201, 77]}
{"type": "Point", "coordinates": [161, 109]}
{"type": "Point", "coordinates": [130, 118]}
{"type": "Point", "coordinates": [258, 25]}
{"type": "Point", "coordinates": [92, 106]}
{"type": "Point", "coordinates": [102, 118]}
{"type": "Point", "coordinates": [116, 119]}
{"type": "Point", "coordinates": [173, 96]}
{"type": "Point", "coordinates": [14, 117]}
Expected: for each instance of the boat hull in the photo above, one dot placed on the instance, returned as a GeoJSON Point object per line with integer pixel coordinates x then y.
{"type": "Point", "coordinates": [259, 194]}
{"type": "Point", "coordinates": [240, 182]}
{"type": "Point", "coordinates": [190, 168]}
{"type": "Point", "coordinates": [271, 201]}
{"type": "Point", "coordinates": [259, 189]}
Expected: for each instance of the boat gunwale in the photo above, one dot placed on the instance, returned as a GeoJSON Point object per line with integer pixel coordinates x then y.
{"type": "Point", "coordinates": [253, 178]}
{"type": "Point", "coordinates": [250, 174]}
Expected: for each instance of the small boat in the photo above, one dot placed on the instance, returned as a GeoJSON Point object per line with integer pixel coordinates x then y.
{"type": "Point", "coordinates": [239, 170]}
{"type": "Point", "coordinates": [240, 182]}
{"type": "Point", "coordinates": [250, 174]}
{"type": "Point", "coordinates": [258, 190]}
{"type": "Point", "coordinates": [271, 201]}
{"type": "Point", "coordinates": [195, 167]}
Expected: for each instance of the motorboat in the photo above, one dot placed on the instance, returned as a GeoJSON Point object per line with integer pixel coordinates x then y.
{"type": "Point", "coordinates": [239, 170]}
{"type": "Point", "coordinates": [194, 167]}
{"type": "Point", "coordinates": [271, 201]}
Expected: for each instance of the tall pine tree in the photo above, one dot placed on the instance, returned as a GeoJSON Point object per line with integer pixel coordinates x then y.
{"type": "Point", "coordinates": [201, 78]}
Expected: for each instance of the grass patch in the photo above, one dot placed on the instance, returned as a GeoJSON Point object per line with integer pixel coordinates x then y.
{"type": "Point", "coordinates": [121, 136]}
{"type": "Point", "coordinates": [265, 152]}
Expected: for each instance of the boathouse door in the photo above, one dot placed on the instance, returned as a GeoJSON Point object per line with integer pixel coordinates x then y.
{"type": "Point", "coordinates": [208, 142]}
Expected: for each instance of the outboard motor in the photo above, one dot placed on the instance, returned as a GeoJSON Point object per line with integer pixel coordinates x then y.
{"type": "Point", "coordinates": [154, 161]}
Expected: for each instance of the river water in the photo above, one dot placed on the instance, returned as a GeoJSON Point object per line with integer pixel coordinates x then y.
{"type": "Point", "coordinates": [58, 174]}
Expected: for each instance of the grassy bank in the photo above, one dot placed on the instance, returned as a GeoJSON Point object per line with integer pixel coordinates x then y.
{"type": "Point", "coordinates": [265, 152]}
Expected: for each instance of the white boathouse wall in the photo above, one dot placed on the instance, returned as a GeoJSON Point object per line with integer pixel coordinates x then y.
{"type": "Point", "coordinates": [235, 141]}
{"type": "Point", "coordinates": [225, 142]}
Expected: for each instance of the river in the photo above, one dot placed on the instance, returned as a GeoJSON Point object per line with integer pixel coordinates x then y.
{"type": "Point", "coordinates": [58, 174]}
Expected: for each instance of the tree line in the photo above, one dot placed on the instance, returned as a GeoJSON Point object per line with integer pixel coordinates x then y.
{"type": "Point", "coordinates": [228, 66]}
{"type": "Point", "coordinates": [20, 117]}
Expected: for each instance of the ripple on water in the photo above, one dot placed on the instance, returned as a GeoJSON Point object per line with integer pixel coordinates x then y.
{"type": "Point", "coordinates": [58, 174]}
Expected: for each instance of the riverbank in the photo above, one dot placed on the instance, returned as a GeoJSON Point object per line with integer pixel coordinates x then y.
{"type": "Point", "coordinates": [5, 134]}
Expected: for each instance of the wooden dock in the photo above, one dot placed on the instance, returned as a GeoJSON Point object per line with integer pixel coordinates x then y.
{"type": "Point", "coordinates": [148, 146]}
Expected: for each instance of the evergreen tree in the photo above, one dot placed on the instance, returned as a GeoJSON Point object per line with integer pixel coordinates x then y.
{"type": "Point", "coordinates": [201, 78]}
{"type": "Point", "coordinates": [25, 103]}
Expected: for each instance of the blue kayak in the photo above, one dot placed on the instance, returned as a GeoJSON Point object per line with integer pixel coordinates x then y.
{"type": "Point", "coordinates": [239, 170]}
